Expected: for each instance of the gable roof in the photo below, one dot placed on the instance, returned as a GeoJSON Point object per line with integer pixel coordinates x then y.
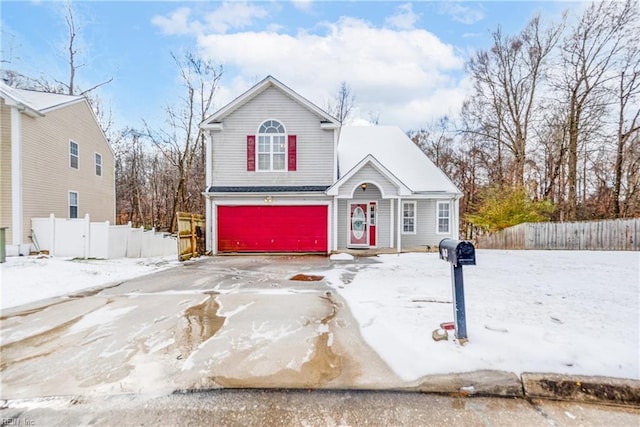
{"type": "Point", "coordinates": [375, 163]}
{"type": "Point", "coordinates": [397, 153]}
{"type": "Point", "coordinates": [37, 102]}
{"type": "Point", "coordinates": [266, 83]}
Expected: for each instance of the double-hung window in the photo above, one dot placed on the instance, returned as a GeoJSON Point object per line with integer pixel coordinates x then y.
{"type": "Point", "coordinates": [98, 164]}
{"type": "Point", "coordinates": [444, 217]}
{"type": "Point", "coordinates": [272, 147]}
{"type": "Point", "coordinates": [73, 155]}
{"type": "Point", "coordinates": [73, 204]}
{"type": "Point", "coordinates": [409, 218]}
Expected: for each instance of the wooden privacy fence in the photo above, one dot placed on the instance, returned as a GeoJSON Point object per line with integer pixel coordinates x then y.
{"type": "Point", "coordinates": [609, 235]}
{"type": "Point", "coordinates": [191, 237]}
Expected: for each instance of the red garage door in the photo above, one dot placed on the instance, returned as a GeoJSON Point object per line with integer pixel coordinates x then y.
{"type": "Point", "coordinates": [272, 228]}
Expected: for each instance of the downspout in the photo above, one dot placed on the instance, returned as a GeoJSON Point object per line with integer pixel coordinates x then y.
{"type": "Point", "coordinates": [16, 176]}
{"type": "Point", "coordinates": [335, 223]}
{"type": "Point", "coordinates": [207, 201]}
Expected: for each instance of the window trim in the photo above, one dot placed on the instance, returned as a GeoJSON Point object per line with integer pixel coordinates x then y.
{"type": "Point", "coordinates": [77, 205]}
{"type": "Point", "coordinates": [438, 204]}
{"type": "Point", "coordinates": [96, 156]}
{"type": "Point", "coordinates": [77, 155]}
{"type": "Point", "coordinates": [271, 153]}
{"type": "Point", "coordinates": [415, 216]}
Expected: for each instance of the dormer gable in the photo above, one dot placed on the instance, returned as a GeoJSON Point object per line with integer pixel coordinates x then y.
{"type": "Point", "coordinates": [215, 121]}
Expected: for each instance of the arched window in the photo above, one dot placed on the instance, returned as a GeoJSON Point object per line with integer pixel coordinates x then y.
{"type": "Point", "coordinates": [272, 146]}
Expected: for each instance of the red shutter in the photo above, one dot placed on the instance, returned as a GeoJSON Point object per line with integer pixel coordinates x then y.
{"type": "Point", "coordinates": [251, 153]}
{"type": "Point", "coordinates": [292, 152]}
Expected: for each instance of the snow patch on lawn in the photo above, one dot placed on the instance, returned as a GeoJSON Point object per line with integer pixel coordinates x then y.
{"type": "Point", "coordinates": [28, 279]}
{"type": "Point", "coordinates": [527, 311]}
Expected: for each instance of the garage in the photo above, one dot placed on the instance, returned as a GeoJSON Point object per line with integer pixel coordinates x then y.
{"type": "Point", "coordinates": [272, 228]}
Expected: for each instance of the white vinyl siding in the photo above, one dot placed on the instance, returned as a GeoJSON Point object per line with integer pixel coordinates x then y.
{"type": "Point", "coordinates": [370, 175]}
{"type": "Point", "coordinates": [74, 155]}
{"type": "Point", "coordinates": [443, 225]}
{"type": "Point", "coordinates": [314, 151]}
{"type": "Point", "coordinates": [73, 204]}
{"type": "Point", "coordinates": [409, 217]}
{"type": "Point", "coordinates": [46, 155]}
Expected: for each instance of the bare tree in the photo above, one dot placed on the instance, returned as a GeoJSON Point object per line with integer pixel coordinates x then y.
{"type": "Point", "coordinates": [182, 144]}
{"type": "Point", "coordinates": [628, 99]}
{"type": "Point", "coordinates": [342, 103]}
{"type": "Point", "coordinates": [589, 53]}
{"type": "Point", "coordinates": [73, 53]}
{"type": "Point", "coordinates": [506, 82]}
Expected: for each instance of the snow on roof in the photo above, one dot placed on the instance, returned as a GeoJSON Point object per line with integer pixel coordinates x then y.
{"type": "Point", "coordinates": [393, 149]}
{"type": "Point", "coordinates": [38, 101]}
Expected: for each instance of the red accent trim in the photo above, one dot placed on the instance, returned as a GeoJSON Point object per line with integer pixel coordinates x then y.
{"type": "Point", "coordinates": [251, 153]}
{"type": "Point", "coordinates": [372, 227]}
{"type": "Point", "coordinates": [272, 228]}
{"type": "Point", "coordinates": [292, 152]}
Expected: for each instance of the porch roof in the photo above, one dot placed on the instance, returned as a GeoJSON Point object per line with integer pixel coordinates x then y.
{"type": "Point", "coordinates": [397, 153]}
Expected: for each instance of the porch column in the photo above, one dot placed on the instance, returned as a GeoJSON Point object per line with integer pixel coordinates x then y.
{"type": "Point", "coordinates": [334, 228]}
{"type": "Point", "coordinates": [399, 224]}
{"type": "Point", "coordinates": [391, 224]}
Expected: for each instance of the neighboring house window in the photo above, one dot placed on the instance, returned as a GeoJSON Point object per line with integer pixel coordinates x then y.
{"type": "Point", "coordinates": [444, 217]}
{"type": "Point", "coordinates": [409, 217]}
{"type": "Point", "coordinates": [73, 204]}
{"type": "Point", "coordinates": [98, 164]}
{"type": "Point", "coordinates": [272, 146]}
{"type": "Point", "coordinates": [73, 154]}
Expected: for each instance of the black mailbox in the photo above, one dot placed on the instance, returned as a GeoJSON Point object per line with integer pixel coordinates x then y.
{"type": "Point", "coordinates": [457, 252]}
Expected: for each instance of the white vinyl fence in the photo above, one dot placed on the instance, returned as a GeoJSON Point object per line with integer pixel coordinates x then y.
{"type": "Point", "coordinates": [85, 239]}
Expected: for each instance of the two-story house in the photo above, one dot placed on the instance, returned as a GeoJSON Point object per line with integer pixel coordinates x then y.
{"type": "Point", "coordinates": [54, 159]}
{"type": "Point", "coordinates": [282, 175]}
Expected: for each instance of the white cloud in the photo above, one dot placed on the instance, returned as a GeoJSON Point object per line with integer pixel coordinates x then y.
{"type": "Point", "coordinates": [176, 23]}
{"type": "Point", "coordinates": [234, 15]}
{"type": "Point", "coordinates": [408, 76]}
{"type": "Point", "coordinates": [303, 5]}
{"type": "Point", "coordinates": [230, 15]}
{"type": "Point", "coordinates": [404, 18]}
{"type": "Point", "coordinates": [459, 13]}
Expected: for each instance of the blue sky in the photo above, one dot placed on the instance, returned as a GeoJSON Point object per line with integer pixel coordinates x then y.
{"type": "Point", "coordinates": [404, 61]}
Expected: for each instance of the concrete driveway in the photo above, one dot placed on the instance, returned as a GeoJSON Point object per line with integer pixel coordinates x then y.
{"type": "Point", "coordinates": [211, 323]}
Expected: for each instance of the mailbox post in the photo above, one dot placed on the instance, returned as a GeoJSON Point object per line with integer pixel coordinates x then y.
{"type": "Point", "coordinates": [458, 253]}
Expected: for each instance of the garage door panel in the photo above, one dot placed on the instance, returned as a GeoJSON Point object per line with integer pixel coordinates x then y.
{"type": "Point", "coordinates": [272, 228]}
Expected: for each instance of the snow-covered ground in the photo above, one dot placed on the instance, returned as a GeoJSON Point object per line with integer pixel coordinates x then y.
{"type": "Point", "coordinates": [527, 311]}
{"type": "Point", "coordinates": [28, 279]}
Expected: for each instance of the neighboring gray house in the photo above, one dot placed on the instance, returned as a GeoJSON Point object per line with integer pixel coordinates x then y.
{"type": "Point", "coordinates": [283, 176]}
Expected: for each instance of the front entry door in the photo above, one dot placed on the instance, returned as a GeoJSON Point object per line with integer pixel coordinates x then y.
{"type": "Point", "coordinates": [358, 235]}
